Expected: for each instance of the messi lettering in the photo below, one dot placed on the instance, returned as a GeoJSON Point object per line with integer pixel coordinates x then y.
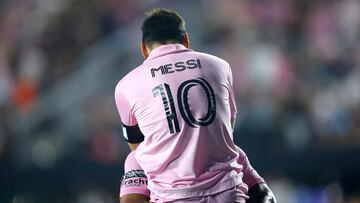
{"type": "Point", "coordinates": [176, 67]}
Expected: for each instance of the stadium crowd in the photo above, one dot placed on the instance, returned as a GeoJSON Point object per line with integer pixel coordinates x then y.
{"type": "Point", "coordinates": [296, 67]}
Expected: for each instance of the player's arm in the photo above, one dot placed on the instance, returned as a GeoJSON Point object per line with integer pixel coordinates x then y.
{"type": "Point", "coordinates": [231, 98]}
{"type": "Point", "coordinates": [259, 192]}
{"type": "Point", "coordinates": [233, 123]}
{"type": "Point", "coordinates": [131, 130]}
{"type": "Point", "coordinates": [133, 146]}
{"type": "Point", "coordinates": [134, 198]}
{"type": "Point", "coordinates": [133, 188]}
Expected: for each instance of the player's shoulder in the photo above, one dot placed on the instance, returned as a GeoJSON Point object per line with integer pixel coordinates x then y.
{"type": "Point", "coordinates": [212, 58]}
{"type": "Point", "coordinates": [127, 82]}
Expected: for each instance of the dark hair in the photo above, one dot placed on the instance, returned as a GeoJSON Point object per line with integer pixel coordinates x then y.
{"type": "Point", "coordinates": [162, 25]}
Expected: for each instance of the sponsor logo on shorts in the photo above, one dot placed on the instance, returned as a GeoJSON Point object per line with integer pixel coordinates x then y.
{"type": "Point", "coordinates": [134, 174]}
{"type": "Point", "coordinates": [134, 182]}
{"type": "Point", "coordinates": [134, 178]}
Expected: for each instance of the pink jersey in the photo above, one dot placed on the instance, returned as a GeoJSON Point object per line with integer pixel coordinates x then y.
{"type": "Point", "coordinates": [135, 183]}
{"type": "Point", "coordinates": [182, 102]}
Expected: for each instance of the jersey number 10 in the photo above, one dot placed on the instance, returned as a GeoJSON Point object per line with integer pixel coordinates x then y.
{"type": "Point", "coordinates": [183, 102]}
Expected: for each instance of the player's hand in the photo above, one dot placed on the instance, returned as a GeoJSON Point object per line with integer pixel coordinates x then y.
{"type": "Point", "coordinates": [260, 193]}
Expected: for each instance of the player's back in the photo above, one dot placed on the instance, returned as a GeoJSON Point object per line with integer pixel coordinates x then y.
{"type": "Point", "coordinates": [182, 101]}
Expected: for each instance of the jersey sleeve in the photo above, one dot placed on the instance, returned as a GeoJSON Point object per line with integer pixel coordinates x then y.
{"type": "Point", "coordinates": [134, 180]}
{"type": "Point", "coordinates": [233, 109]}
{"type": "Point", "coordinates": [251, 176]}
{"type": "Point", "coordinates": [131, 130]}
{"type": "Point", "coordinates": [124, 108]}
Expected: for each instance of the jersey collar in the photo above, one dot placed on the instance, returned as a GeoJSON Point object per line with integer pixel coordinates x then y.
{"type": "Point", "coordinates": [166, 49]}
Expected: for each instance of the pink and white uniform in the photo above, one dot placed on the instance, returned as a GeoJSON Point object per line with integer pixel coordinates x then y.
{"type": "Point", "coordinates": [182, 102]}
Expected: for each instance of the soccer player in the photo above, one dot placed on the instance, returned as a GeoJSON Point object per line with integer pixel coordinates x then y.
{"type": "Point", "coordinates": [177, 110]}
{"type": "Point", "coordinates": [133, 188]}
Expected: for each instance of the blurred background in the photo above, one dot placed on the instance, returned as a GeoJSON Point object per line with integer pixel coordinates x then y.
{"type": "Point", "coordinates": [296, 66]}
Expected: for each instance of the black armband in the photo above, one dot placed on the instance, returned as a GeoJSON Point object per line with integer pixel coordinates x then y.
{"type": "Point", "coordinates": [132, 134]}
